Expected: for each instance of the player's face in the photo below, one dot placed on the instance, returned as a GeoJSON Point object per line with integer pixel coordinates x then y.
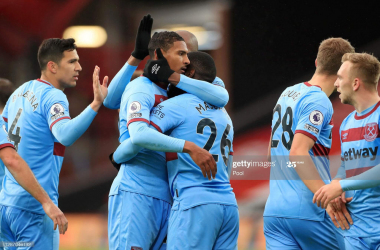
{"type": "Point", "coordinates": [68, 69]}
{"type": "Point", "coordinates": [177, 57]}
{"type": "Point", "coordinates": [344, 83]}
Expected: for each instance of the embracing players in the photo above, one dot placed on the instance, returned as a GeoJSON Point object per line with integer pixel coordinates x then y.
{"type": "Point", "coordinates": [357, 83]}
{"type": "Point", "coordinates": [301, 132]}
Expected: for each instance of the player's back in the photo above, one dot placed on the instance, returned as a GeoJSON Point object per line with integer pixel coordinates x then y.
{"type": "Point", "coordinates": [211, 128]}
{"type": "Point", "coordinates": [305, 109]}
{"type": "Point", "coordinates": [360, 145]}
{"type": "Point", "coordinates": [145, 173]}
{"type": "Point", "coordinates": [28, 128]}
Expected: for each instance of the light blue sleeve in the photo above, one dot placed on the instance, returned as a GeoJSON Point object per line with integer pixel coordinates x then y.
{"type": "Point", "coordinates": [143, 136]}
{"type": "Point", "coordinates": [312, 119]}
{"type": "Point", "coordinates": [117, 86]}
{"type": "Point", "coordinates": [368, 179]}
{"type": "Point", "coordinates": [126, 150]}
{"type": "Point", "coordinates": [67, 131]}
{"type": "Point", "coordinates": [219, 82]}
{"type": "Point", "coordinates": [148, 137]}
{"type": "Point", "coordinates": [210, 93]}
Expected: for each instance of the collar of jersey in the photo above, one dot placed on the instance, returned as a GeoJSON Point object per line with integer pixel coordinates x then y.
{"type": "Point", "coordinates": [359, 117]}
{"type": "Point", "coordinates": [309, 85]}
{"type": "Point", "coordinates": [46, 82]}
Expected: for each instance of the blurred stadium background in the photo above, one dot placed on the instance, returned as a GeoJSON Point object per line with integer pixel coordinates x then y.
{"type": "Point", "coordinates": [259, 47]}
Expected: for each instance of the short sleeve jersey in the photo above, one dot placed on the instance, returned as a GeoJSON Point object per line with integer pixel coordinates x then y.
{"type": "Point", "coordinates": [360, 143]}
{"type": "Point", "coordinates": [30, 113]}
{"type": "Point", "coordinates": [4, 142]}
{"type": "Point", "coordinates": [189, 118]}
{"type": "Point", "coordinates": [146, 173]}
{"type": "Point", "coordinates": [302, 108]}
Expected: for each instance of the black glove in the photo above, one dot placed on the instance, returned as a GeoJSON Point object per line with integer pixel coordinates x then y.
{"type": "Point", "coordinates": [143, 38]}
{"type": "Point", "coordinates": [116, 165]}
{"type": "Point", "coordinates": [158, 70]}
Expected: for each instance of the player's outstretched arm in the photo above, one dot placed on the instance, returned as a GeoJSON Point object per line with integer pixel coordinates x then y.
{"type": "Point", "coordinates": [123, 77]}
{"type": "Point", "coordinates": [25, 177]}
{"type": "Point", "coordinates": [126, 151]}
{"type": "Point", "coordinates": [150, 138]}
{"type": "Point", "coordinates": [213, 94]}
{"type": "Point", "coordinates": [68, 131]}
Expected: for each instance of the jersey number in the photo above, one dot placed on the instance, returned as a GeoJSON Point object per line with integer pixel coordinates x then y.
{"type": "Point", "coordinates": [16, 138]}
{"type": "Point", "coordinates": [210, 142]}
{"type": "Point", "coordinates": [287, 122]}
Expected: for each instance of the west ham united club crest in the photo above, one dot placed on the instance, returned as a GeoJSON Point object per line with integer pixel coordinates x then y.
{"type": "Point", "coordinates": [371, 131]}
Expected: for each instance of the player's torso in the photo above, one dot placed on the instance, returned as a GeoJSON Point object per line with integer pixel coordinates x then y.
{"type": "Point", "coordinates": [146, 173]}
{"type": "Point", "coordinates": [360, 145]}
{"type": "Point", "coordinates": [289, 197]}
{"type": "Point", "coordinates": [3, 141]}
{"type": "Point", "coordinates": [29, 130]}
{"type": "Point", "coordinates": [211, 128]}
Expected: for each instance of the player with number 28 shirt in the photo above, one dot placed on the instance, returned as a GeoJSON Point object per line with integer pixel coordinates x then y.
{"type": "Point", "coordinates": [299, 147]}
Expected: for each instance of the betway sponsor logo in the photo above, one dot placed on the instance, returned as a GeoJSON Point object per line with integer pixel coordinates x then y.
{"type": "Point", "coordinates": [353, 153]}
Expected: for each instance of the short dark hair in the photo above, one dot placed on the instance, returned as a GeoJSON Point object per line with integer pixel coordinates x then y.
{"type": "Point", "coordinates": [52, 50]}
{"type": "Point", "coordinates": [163, 40]}
{"type": "Point", "coordinates": [6, 89]}
{"type": "Point", "coordinates": [203, 64]}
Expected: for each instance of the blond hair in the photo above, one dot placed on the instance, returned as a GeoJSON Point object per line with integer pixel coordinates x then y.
{"type": "Point", "coordinates": [367, 66]}
{"type": "Point", "coordinates": [330, 54]}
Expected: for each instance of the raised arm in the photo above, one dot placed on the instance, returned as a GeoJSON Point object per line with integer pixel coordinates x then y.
{"type": "Point", "coordinates": [123, 77]}
{"type": "Point", "coordinates": [65, 130]}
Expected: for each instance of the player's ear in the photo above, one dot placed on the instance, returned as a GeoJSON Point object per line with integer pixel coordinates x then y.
{"type": "Point", "coordinates": [190, 73]}
{"type": "Point", "coordinates": [356, 84]}
{"type": "Point", "coordinates": [52, 67]}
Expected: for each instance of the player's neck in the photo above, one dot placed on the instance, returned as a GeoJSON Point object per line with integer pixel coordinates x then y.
{"type": "Point", "coordinates": [326, 82]}
{"type": "Point", "coordinates": [51, 80]}
{"type": "Point", "coordinates": [364, 101]}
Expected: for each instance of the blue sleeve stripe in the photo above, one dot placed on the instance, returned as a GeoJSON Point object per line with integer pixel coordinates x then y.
{"type": "Point", "coordinates": [65, 117]}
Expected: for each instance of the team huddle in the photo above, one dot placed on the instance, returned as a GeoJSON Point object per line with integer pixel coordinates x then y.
{"type": "Point", "coordinates": [172, 190]}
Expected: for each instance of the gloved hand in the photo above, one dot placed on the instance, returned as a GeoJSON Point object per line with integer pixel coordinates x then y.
{"type": "Point", "coordinates": [158, 70]}
{"type": "Point", "coordinates": [116, 165]}
{"type": "Point", "coordinates": [143, 38]}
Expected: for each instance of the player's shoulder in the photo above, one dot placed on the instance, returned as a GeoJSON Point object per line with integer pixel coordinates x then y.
{"type": "Point", "coordinates": [179, 100]}
{"type": "Point", "coordinates": [140, 85]}
{"type": "Point", "coordinates": [52, 93]}
{"type": "Point", "coordinates": [219, 82]}
{"type": "Point", "coordinates": [316, 96]}
{"type": "Point", "coordinates": [348, 120]}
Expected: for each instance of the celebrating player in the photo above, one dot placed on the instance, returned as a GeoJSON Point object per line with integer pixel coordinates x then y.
{"type": "Point", "coordinates": [6, 89]}
{"type": "Point", "coordinates": [123, 77]}
{"type": "Point", "coordinates": [299, 146]}
{"type": "Point", "coordinates": [204, 214]}
{"type": "Point", "coordinates": [357, 82]}
{"type": "Point", "coordinates": [40, 127]}
{"type": "Point", "coordinates": [145, 177]}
